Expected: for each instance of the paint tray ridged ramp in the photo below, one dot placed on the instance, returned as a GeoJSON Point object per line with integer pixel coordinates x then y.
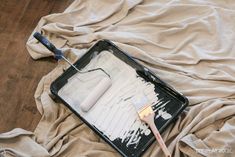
{"type": "Point", "coordinates": [113, 116]}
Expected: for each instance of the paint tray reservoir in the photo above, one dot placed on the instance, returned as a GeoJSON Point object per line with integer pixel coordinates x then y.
{"type": "Point", "coordinates": [113, 116]}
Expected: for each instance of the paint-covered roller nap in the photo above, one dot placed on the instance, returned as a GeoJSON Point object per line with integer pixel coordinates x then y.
{"type": "Point", "coordinates": [95, 94]}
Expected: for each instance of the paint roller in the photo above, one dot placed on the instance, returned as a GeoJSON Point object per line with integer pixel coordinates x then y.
{"type": "Point", "coordinates": [100, 88]}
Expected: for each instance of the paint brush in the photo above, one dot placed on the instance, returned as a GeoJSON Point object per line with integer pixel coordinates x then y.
{"type": "Point", "coordinates": [147, 115]}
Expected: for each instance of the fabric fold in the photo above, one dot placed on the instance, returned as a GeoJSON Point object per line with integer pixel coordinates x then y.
{"type": "Point", "coordinates": [188, 44]}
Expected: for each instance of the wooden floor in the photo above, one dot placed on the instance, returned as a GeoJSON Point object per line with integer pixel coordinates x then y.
{"type": "Point", "coordinates": [19, 74]}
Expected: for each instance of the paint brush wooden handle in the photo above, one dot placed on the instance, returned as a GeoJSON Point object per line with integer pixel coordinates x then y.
{"type": "Point", "coordinates": [149, 119]}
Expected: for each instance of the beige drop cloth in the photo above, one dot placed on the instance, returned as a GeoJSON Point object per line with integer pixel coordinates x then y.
{"type": "Point", "coordinates": [189, 44]}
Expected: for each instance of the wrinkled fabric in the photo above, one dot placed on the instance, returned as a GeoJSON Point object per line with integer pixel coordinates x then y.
{"type": "Point", "coordinates": [19, 142]}
{"type": "Point", "coordinates": [189, 44]}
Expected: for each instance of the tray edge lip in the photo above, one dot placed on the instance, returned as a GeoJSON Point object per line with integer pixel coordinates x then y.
{"type": "Point", "coordinates": [93, 128]}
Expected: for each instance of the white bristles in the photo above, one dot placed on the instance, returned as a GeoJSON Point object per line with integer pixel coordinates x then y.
{"type": "Point", "coordinates": [139, 102]}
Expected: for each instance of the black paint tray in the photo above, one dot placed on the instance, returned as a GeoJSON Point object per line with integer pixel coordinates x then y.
{"type": "Point", "coordinates": [177, 102]}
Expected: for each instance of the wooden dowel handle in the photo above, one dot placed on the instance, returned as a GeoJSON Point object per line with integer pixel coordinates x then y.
{"type": "Point", "coordinates": [150, 121]}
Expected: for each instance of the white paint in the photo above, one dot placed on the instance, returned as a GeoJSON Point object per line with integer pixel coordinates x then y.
{"type": "Point", "coordinates": [95, 94]}
{"type": "Point", "coordinates": [113, 114]}
{"type": "Point", "coordinates": [162, 112]}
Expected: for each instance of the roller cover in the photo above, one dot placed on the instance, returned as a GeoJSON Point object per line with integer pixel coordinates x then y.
{"type": "Point", "coordinates": [97, 92]}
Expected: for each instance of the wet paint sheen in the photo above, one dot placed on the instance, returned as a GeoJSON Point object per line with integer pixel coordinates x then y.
{"type": "Point", "coordinates": [114, 113]}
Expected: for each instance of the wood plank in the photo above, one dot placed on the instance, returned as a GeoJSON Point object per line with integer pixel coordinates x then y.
{"type": "Point", "coordinates": [19, 73]}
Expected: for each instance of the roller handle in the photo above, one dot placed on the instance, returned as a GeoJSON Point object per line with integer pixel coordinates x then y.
{"type": "Point", "coordinates": [58, 53]}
